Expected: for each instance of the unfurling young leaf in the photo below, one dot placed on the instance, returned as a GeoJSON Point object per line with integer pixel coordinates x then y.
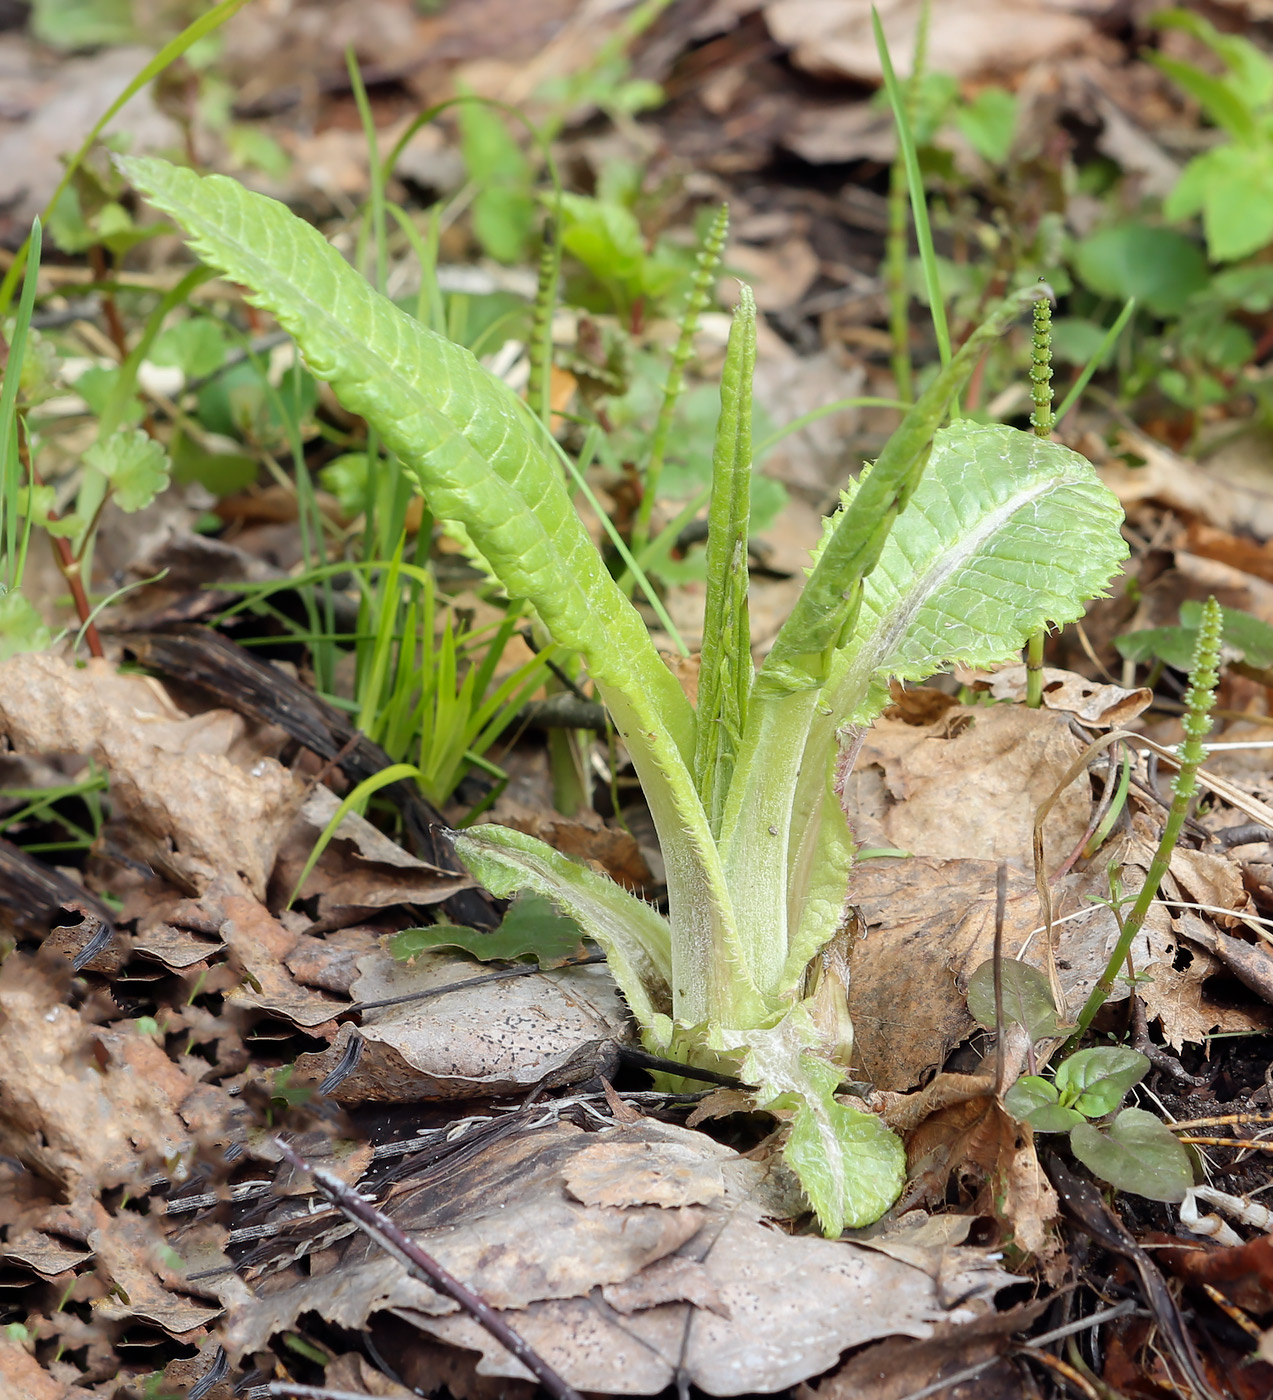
{"type": "Point", "coordinates": [1094, 1081]}
{"type": "Point", "coordinates": [1034, 1100]}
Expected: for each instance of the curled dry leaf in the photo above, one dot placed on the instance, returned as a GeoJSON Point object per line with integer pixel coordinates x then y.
{"type": "Point", "coordinates": [491, 1038]}
{"type": "Point", "coordinates": [707, 1287]}
{"type": "Point", "coordinates": [131, 1256]}
{"type": "Point", "coordinates": [1096, 705]}
{"type": "Point", "coordinates": [360, 867]}
{"type": "Point", "coordinates": [968, 785]}
{"type": "Point", "coordinates": [187, 793]}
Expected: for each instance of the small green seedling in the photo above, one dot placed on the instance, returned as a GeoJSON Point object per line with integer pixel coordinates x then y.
{"type": "Point", "coordinates": [1134, 1151]}
{"type": "Point", "coordinates": [998, 533]}
{"type": "Point", "coordinates": [1229, 183]}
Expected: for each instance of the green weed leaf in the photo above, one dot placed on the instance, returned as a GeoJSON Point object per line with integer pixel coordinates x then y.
{"type": "Point", "coordinates": [851, 1166]}
{"type": "Point", "coordinates": [1027, 998]}
{"type": "Point", "coordinates": [531, 928]}
{"type": "Point", "coordinates": [1245, 637]}
{"type": "Point", "coordinates": [1161, 268]}
{"type": "Point", "coordinates": [1034, 1100]}
{"type": "Point", "coordinates": [136, 466]}
{"type": "Point", "coordinates": [1094, 1081]}
{"type": "Point", "coordinates": [21, 626]}
{"type": "Point", "coordinates": [1136, 1153]}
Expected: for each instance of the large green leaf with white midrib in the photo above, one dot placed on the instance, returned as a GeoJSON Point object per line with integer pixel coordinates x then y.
{"type": "Point", "coordinates": [1007, 533]}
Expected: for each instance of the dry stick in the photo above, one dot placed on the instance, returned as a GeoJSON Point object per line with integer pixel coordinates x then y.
{"type": "Point", "coordinates": [420, 1265]}
{"type": "Point", "coordinates": [1083, 1324]}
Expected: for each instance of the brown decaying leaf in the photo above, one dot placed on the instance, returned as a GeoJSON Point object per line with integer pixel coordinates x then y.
{"type": "Point", "coordinates": [984, 1145]}
{"type": "Point", "coordinates": [961, 793]}
{"type": "Point", "coordinates": [130, 1252]}
{"type": "Point", "coordinates": [1243, 1273]}
{"type": "Point", "coordinates": [896, 1368]}
{"type": "Point", "coordinates": [1099, 706]}
{"type": "Point", "coordinates": [970, 37]}
{"type": "Point", "coordinates": [181, 795]}
{"type": "Point", "coordinates": [23, 1378]}
{"type": "Point", "coordinates": [86, 1106]}
{"type": "Point", "coordinates": [359, 868]}
{"type": "Point", "coordinates": [968, 785]}
{"type": "Point", "coordinates": [495, 1037]}
{"type": "Point", "coordinates": [765, 1309]}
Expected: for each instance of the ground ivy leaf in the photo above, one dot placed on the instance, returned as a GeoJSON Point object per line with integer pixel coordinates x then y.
{"type": "Point", "coordinates": [1136, 1153]}
{"type": "Point", "coordinates": [21, 626]}
{"type": "Point", "coordinates": [135, 465]}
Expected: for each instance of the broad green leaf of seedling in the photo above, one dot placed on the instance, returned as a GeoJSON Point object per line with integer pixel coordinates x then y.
{"type": "Point", "coordinates": [1094, 1081]}
{"type": "Point", "coordinates": [1027, 998]}
{"type": "Point", "coordinates": [1136, 1153]}
{"type": "Point", "coordinates": [136, 466]}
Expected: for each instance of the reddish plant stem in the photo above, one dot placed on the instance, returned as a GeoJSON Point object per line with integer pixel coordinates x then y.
{"type": "Point", "coordinates": [68, 565]}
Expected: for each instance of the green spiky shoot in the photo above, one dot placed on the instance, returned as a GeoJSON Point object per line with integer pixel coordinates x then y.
{"type": "Point", "coordinates": [709, 257]}
{"type": "Point", "coordinates": [725, 671]}
{"type": "Point", "coordinates": [1042, 421]}
{"type": "Point", "coordinates": [1200, 699]}
{"type": "Point", "coordinates": [538, 389]}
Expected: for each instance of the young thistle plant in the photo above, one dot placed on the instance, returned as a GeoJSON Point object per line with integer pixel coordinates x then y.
{"type": "Point", "coordinates": [955, 546]}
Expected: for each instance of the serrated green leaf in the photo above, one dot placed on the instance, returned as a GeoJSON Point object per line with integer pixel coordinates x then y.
{"type": "Point", "coordinates": [21, 626]}
{"type": "Point", "coordinates": [481, 460]}
{"type": "Point", "coordinates": [531, 927]}
{"type": "Point", "coordinates": [1027, 998]}
{"type": "Point", "coordinates": [1136, 1153]}
{"type": "Point", "coordinates": [1006, 534]}
{"type": "Point", "coordinates": [1094, 1081]}
{"type": "Point", "coordinates": [636, 938]}
{"type": "Point", "coordinates": [135, 465]}
{"type": "Point", "coordinates": [851, 1166]}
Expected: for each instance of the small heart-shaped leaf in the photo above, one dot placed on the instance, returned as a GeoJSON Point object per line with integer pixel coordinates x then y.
{"type": "Point", "coordinates": [1136, 1153]}
{"type": "Point", "coordinates": [1094, 1081]}
{"type": "Point", "coordinates": [1027, 999]}
{"type": "Point", "coordinates": [1034, 1100]}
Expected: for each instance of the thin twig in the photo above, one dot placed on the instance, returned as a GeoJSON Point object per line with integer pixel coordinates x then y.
{"type": "Point", "coordinates": [420, 1265]}
{"type": "Point", "coordinates": [1083, 1324]}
